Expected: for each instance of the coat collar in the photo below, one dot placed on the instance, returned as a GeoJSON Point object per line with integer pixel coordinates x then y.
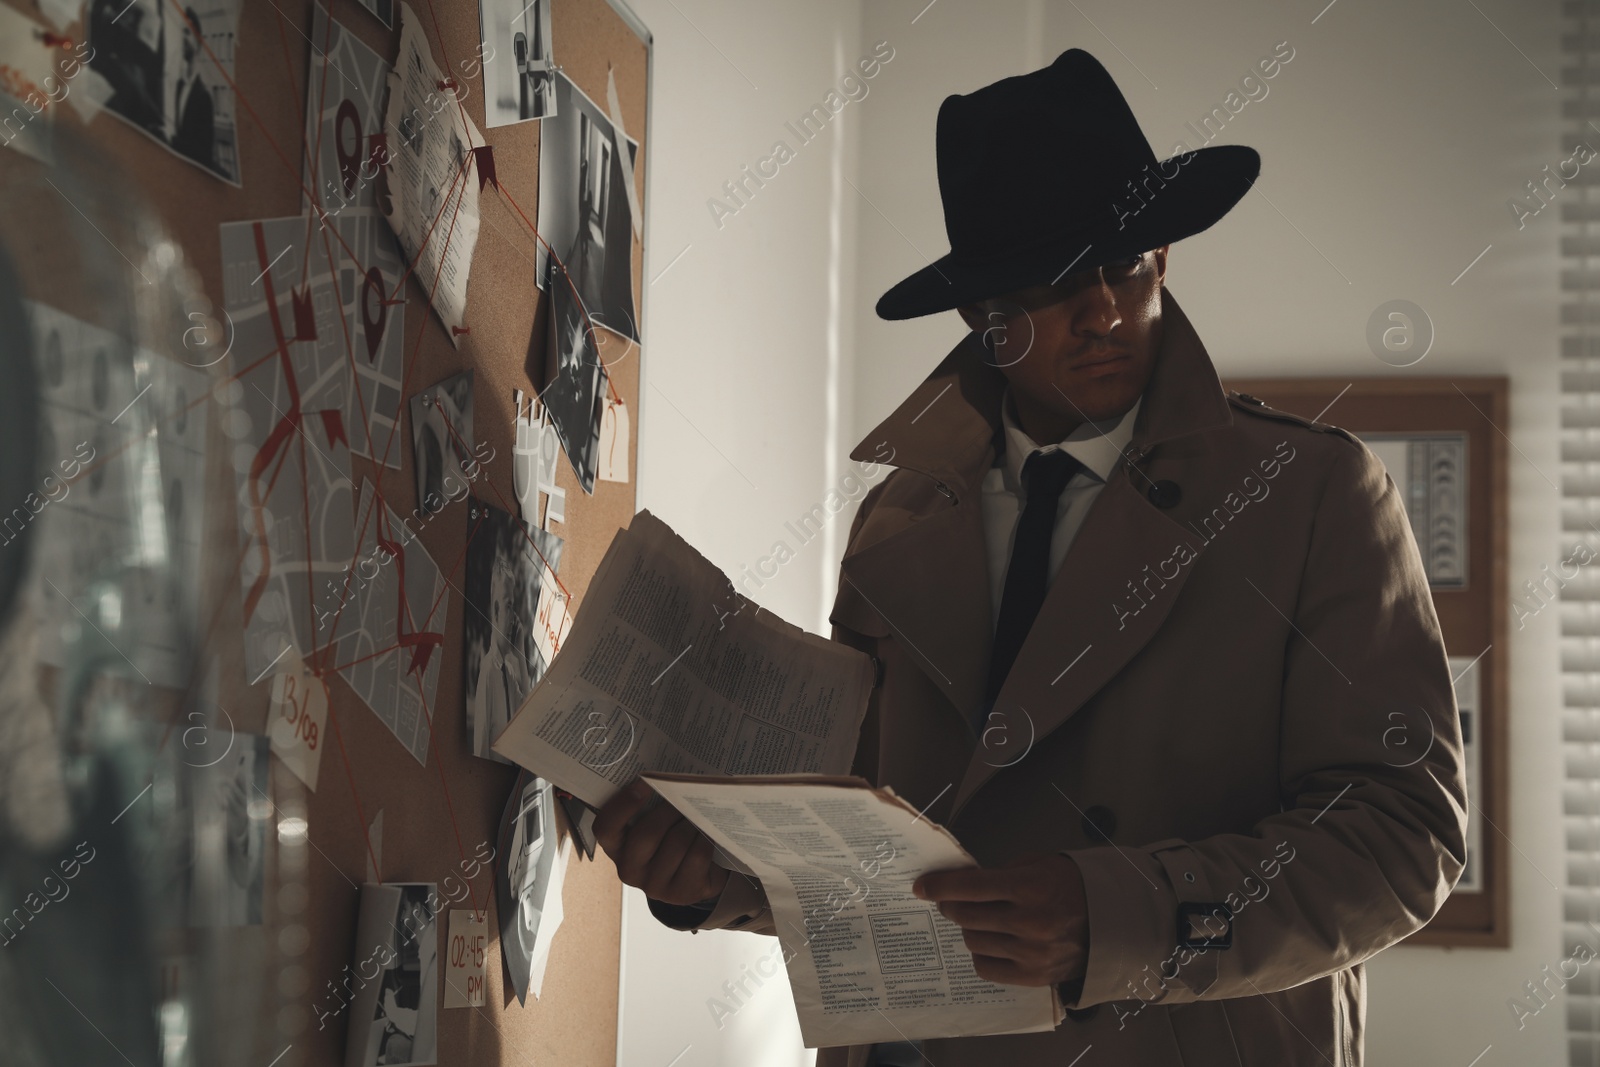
{"type": "Point", "coordinates": [1099, 446]}
{"type": "Point", "coordinates": [947, 424]}
{"type": "Point", "coordinates": [950, 429]}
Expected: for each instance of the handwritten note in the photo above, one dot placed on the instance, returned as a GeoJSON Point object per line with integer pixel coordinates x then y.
{"type": "Point", "coordinates": [614, 441]}
{"type": "Point", "coordinates": [552, 620]}
{"type": "Point", "coordinates": [298, 718]}
{"type": "Point", "coordinates": [463, 967]}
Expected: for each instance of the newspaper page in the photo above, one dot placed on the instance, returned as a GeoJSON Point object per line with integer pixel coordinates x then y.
{"type": "Point", "coordinates": [867, 960]}
{"type": "Point", "coordinates": [668, 668]}
{"type": "Point", "coordinates": [432, 194]}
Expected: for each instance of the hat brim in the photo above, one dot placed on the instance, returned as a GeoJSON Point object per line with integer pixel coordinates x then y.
{"type": "Point", "coordinates": [1207, 184]}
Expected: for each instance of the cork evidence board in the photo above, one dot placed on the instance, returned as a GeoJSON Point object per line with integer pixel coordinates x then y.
{"type": "Point", "coordinates": [210, 172]}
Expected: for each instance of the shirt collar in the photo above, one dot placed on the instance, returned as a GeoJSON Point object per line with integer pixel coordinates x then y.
{"type": "Point", "coordinates": [1097, 445]}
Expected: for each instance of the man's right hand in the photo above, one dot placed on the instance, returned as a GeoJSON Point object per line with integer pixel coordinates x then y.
{"type": "Point", "coordinates": [660, 851]}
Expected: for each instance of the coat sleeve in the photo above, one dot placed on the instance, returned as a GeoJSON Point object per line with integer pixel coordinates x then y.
{"type": "Point", "coordinates": [743, 903]}
{"type": "Point", "coordinates": [741, 906]}
{"type": "Point", "coordinates": [1373, 833]}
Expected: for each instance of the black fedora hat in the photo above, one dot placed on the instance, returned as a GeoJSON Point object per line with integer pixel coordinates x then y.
{"type": "Point", "coordinates": [1048, 172]}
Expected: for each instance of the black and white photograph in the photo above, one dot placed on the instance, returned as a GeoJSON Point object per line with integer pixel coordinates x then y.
{"type": "Point", "coordinates": [231, 813]}
{"type": "Point", "coordinates": [507, 565]}
{"type": "Point", "coordinates": [580, 817]}
{"type": "Point", "coordinates": [395, 1016]}
{"type": "Point", "coordinates": [441, 441]}
{"type": "Point", "coordinates": [205, 833]}
{"type": "Point", "coordinates": [161, 61]}
{"type": "Point", "coordinates": [518, 71]}
{"type": "Point", "coordinates": [578, 381]}
{"type": "Point", "coordinates": [583, 207]}
{"type": "Point", "coordinates": [523, 880]}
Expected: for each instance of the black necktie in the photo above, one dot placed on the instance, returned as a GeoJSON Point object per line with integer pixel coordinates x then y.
{"type": "Point", "coordinates": [1044, 475]}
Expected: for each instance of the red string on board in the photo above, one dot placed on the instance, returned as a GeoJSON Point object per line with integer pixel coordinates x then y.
{"type": "Point", "coordinates": [288, 65]}
{"type": "Point", "coordinates": [315, 153]}
{"type": "Point", "coordinates": [421, 642]}
{"type": "Point", "coordinates": [279, 435]}
{"type": "Point", "coordinates": [333, 426]}
{"type": "Point", "coordinates": [534, 230]}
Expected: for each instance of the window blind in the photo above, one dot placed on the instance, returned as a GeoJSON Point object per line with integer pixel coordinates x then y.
{"type": "Point", "coordinates": [1579, 596]}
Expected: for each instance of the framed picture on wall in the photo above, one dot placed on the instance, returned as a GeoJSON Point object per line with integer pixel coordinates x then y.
{"type": "Point", "coordinates": [1443, 441]}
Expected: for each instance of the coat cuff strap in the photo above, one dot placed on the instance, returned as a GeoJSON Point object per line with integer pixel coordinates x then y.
{"type": "Point", "coordinates": [1132, 924]}
{"type": "Point", "coordinates": [739, 905]}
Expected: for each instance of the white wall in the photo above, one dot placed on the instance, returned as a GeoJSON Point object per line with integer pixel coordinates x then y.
{"type": "Point", "coordinates": [1390, 145]}
{"type": "Point", "coordinates": [745, 404]}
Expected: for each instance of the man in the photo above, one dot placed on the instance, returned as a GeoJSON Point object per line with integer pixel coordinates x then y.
{"type": "Point", "coordinates": [1142, 671]}
{"type": "Point", "coordinates": [194, 131]}
{"type": "Point", "coordinates": [128, 61]}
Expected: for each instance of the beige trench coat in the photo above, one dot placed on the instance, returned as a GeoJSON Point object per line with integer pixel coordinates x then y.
{"type": "Point", "coordinates": [1204, 713]}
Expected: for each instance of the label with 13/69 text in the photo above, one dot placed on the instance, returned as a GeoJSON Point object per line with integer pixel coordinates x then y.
{"type": "Point", "coordinates": [297, 718]}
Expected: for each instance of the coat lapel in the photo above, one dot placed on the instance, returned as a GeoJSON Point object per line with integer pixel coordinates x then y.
{"type": "Point", "coordinates": [929, 579]}
{"type": "Point", "coordinates": [930, 584]}
{"type": "Point", "coordinates": [1102, 608]}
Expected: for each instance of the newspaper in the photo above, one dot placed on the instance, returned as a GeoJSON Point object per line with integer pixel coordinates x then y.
{"type": "Point", "coordinates": [668, 668]}
{"type": "Point", "coordinates": [867, 960]}
{"type": "Point", "coordinates": [432, 193]}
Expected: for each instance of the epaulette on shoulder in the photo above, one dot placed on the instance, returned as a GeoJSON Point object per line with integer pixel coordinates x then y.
{"type": "Point", "coordinates": [1257, 406]}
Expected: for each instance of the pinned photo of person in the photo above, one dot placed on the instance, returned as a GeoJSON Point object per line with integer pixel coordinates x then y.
{"type": "Point", "coordinates": [524, 881]}
{"type": "Point", "coordinates": [162, 63]}
{"type": "Point", "coordinates": [579, 382]}
{"type": "Point", "coordinates": [518, 74]}
{"type": "Point", "coordinates": [583, 207]}
{"type": "Point", "coordinates": [395, 1018]}
{"type": "Point", "coordinates": [441, 441]}
{"type": "Point", "coordinates": [507, 565]}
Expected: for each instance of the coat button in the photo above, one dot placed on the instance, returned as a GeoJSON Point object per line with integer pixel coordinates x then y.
{"type": "Point", "coordinates": [1165, 494]}
{"type": "Point", "coordinates": [1099, 823]}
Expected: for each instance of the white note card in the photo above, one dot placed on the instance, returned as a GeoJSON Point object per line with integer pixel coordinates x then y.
{"type": "Point", "coordinates": [463, 965]}
{"type": "Point", "coordinates": [298, 718]}
{"type": "Point", "coordinates": [552, 620]}
{"type": "Point", "coordinates": [614, 441]}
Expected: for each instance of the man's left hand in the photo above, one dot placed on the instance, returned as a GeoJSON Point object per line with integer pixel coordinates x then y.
{"type": "Point", "coordinates": [1026, 923]}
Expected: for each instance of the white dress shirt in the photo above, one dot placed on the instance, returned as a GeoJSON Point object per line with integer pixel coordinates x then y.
{"type": "Point", "coordinates": [1097, 445]}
